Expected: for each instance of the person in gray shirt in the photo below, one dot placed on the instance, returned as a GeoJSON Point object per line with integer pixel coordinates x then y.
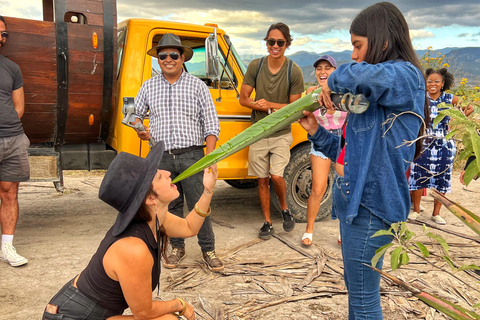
{"type": "Point", "coordinates": [14, 167]}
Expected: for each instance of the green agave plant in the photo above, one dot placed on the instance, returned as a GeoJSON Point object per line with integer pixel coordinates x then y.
{"type": "Point", "coordinates": [255, 132]}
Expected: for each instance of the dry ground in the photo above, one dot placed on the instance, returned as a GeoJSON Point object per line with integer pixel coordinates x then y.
{"type": "Point", "coordinates": [58, 233]}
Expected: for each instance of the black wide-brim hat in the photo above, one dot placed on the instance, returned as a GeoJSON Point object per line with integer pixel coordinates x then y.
{"type": "Point", "coordinates": [170, 40]}
{"type": "Point", "coordinates": [127, 182]}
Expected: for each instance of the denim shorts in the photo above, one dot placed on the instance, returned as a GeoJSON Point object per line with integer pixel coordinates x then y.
{"type": "Point", "coordinates": [337, 132]}
{"type": "Point", "coordinates": [14, 166]}
{"type": "Point", "coordinates": [74, 305]}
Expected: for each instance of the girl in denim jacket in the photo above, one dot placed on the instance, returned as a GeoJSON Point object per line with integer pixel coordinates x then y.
{"type": "Point", "coordinates": [371, 190]}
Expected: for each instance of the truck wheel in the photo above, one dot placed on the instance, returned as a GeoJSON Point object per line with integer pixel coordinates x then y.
{"type": "Point", "coordinates": [298, 177]}
{"type": "Point", "coordinates": [243, 183]}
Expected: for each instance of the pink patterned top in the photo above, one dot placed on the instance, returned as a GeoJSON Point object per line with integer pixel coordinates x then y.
{"type": "Point", "coordinates": [331, 121]}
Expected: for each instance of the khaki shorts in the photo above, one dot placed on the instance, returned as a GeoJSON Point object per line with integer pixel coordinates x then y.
{"type": "Point", "coordinates": [14, 165]}
{"type": "Point", "coordinates": [269, 156]}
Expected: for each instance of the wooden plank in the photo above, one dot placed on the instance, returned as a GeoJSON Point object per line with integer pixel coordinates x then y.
{"type": "Point", "coordinates": [84, 6]}
{"type": "Point", "coordinates": [33, 27]}
{"type": "Point", "coordinates": [40, 97]}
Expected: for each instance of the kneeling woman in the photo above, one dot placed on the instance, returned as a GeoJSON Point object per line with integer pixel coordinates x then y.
{"type": "Point", "coordinates": [126, 269]}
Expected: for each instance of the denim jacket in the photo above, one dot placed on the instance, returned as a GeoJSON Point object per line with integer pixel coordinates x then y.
{"type": "Point", "coordinates": [375, 163]}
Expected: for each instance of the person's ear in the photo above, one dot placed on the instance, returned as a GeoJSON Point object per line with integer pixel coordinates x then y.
{"type": "Point", "coordinates": [150, 200]}
{"type": "Point", "coordinates": [385, 45]}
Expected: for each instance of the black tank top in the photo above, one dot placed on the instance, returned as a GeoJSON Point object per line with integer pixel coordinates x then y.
{"type": "Point", "coordinates": [98, 286]}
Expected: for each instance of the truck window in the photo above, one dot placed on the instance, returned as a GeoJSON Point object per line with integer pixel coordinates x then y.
{"type": "Point", "coordinates": [196, 66]}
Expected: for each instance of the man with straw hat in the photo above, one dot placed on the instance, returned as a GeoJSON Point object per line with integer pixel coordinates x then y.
{"type": "Point", "coordinates": [183, 115]}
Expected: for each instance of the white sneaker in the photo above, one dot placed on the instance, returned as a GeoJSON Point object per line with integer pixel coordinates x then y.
{"type": "Point", "coordinates": [422, 208]}
{"type": "Point", "coordinates": [413, 215]}
{"type": "Point", "coordinates": [10, 255]}
{"type": "Point", "coordinates": [438, 219]}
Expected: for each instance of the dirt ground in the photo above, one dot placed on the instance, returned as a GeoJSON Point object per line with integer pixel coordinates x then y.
{"type": "Point", "coordinates": [59, 232]}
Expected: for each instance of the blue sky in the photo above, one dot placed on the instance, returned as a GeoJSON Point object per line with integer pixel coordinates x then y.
{"type": "Point", "coordinates": [317, 26]}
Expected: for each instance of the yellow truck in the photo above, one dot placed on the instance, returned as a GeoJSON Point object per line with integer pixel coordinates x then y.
{"type": "Point", "coordinates": [86, 69]}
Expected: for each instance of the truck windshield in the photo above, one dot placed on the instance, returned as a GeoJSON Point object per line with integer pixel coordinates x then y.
{"type": "Point", "coordinates": [196, 67]}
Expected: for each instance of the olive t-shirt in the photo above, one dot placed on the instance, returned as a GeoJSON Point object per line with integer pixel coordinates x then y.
{"type": "Point", "coordinates": [10, 80]}
{"type": "Point", "coordinates": [273, 87]}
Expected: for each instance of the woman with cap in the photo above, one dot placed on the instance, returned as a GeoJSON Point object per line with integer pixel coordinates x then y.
{"type": "Point", "coordinates": [126, 267]}
{"type": "Point", "coordinates": [332, 121]}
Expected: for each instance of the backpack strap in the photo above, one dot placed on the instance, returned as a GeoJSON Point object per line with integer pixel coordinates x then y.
{"type": "Point", "coordinates": [258, 70]}
{"type": "Point", "coordinates": [289, 75]}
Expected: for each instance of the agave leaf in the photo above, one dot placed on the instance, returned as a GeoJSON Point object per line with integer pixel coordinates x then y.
{"type": "Point", "coordinates": [255, 132]}
{"type": "Point", "coordinates": [468, 217]}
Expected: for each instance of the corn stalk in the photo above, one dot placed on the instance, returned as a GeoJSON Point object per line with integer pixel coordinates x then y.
{"type": "Point", "coordinates": [259, 130]}
{"type": "Point", "coordinates": [466, 216]}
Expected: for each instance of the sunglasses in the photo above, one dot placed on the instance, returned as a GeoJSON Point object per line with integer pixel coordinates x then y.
{"type": "Point", "coordinates": [271, 42]}
{"type": "Point", "coordinates": [163, 55]}
{"type": "Point", "coordinates": [5, 34]}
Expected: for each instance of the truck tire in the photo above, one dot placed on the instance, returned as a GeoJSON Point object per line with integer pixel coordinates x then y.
{"type": "Point", "coordinates": [298, 177]}
{"type": "Point", "coordinates": [243, 183]}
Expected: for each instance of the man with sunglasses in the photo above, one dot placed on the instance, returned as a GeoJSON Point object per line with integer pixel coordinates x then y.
{"type": "Point", "coordinates": [14, 167]}
{"type": "Point", "coordinates": [277, 81]}
{"type": "Point", "coordinates": [183, 115]}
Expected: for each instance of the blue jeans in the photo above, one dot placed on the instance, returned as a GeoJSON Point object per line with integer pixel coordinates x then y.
{"type": "Point", "coordinates": [358, 247]}
{"type": "Point", "coordinates": [73, 305]}
{"type": "Point", "coordinates": [191, 189]}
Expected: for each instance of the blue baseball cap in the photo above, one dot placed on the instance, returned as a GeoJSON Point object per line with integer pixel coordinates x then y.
{"type": "Point", "coordinates": [326, 58]}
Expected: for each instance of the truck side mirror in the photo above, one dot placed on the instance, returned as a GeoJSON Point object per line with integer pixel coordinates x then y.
{"type": "Point", "coordinates": [211, 57]}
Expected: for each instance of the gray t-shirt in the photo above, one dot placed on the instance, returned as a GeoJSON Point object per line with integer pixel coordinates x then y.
{"type": "Point", "coordinates": [10, 80]}
{"type": "Point", "coordinates": [273, 87]}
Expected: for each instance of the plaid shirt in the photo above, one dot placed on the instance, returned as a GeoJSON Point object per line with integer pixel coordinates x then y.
{"type": "Point", "coordinates": [181, 114]}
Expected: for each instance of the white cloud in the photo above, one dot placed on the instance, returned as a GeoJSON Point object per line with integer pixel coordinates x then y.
{"type": "Point", "coordinates": [421, 34]}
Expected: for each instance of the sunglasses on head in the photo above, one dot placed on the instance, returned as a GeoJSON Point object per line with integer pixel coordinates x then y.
{"type": "Point", "coordinates": [271, 42]}
{"type": "Point", "coordinates": [5, 34]}
{"type": "Point", "coordinates": [163, 55]}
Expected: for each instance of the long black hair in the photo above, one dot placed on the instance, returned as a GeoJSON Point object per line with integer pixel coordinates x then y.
{"type": "Point", "coordinates": [447, 77]}
{"type": "Point", "coordinates": [388, 37]}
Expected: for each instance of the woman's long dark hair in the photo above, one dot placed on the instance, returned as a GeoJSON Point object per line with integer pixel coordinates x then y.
{"type": "Point", "coordinates": [388, 37]}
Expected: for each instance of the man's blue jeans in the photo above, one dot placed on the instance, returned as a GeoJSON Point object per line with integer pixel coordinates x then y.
{"type": "Point", "coordinates": [191, 189]}
{"type": "Point", "coordinates": [358, 247]}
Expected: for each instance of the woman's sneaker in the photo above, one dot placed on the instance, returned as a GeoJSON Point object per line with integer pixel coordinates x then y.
{"type": "Point", "coordinates": [266, 231]}
{"type": "Point", "coordinates": [438, 219]}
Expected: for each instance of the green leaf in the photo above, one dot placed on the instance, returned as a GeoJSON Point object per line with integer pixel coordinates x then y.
{"type": "Point", "coordinates": [383, 233]}
{"type": "Point", "coordinates": [405, 258]}
{"type": "Point", "coordinates": [379, 253]}
{"type": "Point", "coordinates": [395, 258]}
{"type": "Point", "coordinates": [394, 227]}
{"type": "Point", "coordinates": [437, 120]}
{"type": "Point", "coordinates": [440, 240]}
{"type": "Point", "coordinates": [449, 261]}
{"type": "Point", "coordinates": [423, 249]}
{"type": "Point", "coordinates": [469, 267]}
{"type": "Point", "coordinates": [409, 235]}
{"type": "Point", "coordinates": [451, 134]}
{"type": "Point", "coordinates": [255, 132]}
{"type": "Point", "coordinates": [403, 229]}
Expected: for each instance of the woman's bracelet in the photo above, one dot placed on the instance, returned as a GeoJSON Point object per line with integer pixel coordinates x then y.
{"type": "Point", "coordinates": [201, 213]}
{"type": "Point", "coordinates": [184, 307]}
{"type": "Point", "coordinates": [208, 192]}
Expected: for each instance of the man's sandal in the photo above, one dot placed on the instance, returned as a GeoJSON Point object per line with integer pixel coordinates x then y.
{"type": "Point", "coordinates": [307, 239]}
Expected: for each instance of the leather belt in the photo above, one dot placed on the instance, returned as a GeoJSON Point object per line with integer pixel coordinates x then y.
{"type": "Point", "coordinates": [183, 150]}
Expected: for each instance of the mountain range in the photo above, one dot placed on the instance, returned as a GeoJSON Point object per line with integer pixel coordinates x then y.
{"type": "Point", "coordinates": [464, 62]}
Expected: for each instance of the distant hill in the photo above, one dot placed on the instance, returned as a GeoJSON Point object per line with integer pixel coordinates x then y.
{"type": "Point", "coordinates": [464, 62]}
